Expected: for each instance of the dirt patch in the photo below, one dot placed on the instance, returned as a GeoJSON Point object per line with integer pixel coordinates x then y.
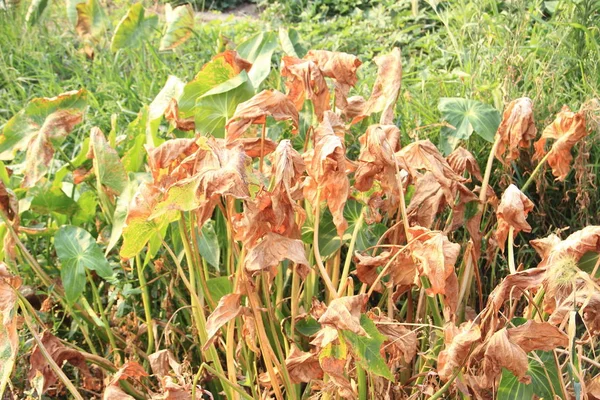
{"type": "Point", "coordinates": [247, 10]}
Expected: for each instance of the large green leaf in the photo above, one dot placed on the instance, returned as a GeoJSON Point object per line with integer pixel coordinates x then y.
{"type": "Point", "coordinates": [179, 27]}
{"type": "Point", "coordinates": [545, 380]}
{"type": "Point", "coordinates": [173, 89]}
{"type": "Point", "coordinates": [36, 10]}
{"type": "Point", "coordinates": [467, 116]}
{"type": "Point", "coordinates": [91, 19]}
{"type": "Point", "coordinates": [110, 173]}
{"type": "Point", "coordinates": [134, 29]}
{"type": "Point", "coordinates": [213, 73]}
{"type": "Point", "coordinates": [216, 106]}
{"type": "Point", "coordinates": [40, 117]}
{"type": "Point", "coordinates": [290, 43]}
{"type": "Point", "coordinates": [259, 50]}
{"type": "Point", "coordinates": [219, 287]}
{"type": "Point", "coordinates": [120, 215]}
{"type": "Point", "coordinates": [367, 348]}
{"type": "Point", "coordinates": [77, 250]}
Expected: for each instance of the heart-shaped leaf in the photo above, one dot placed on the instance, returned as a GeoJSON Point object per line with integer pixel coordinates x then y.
{"type": "Point", "coordinates": [180, 24]}
{"type": "Point", "coordinates": [259, 50]}
{"type": "Point", "coordinates": [134, 29]}
{"type": "Point", "coordinates": [78, 251]}
{"type": "Point", "coordinates": [545, 381]}
{"type": "Point", "coordinates": [466, 116]}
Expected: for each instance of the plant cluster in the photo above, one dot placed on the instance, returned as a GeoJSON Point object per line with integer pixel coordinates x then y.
{"type": "Point", "coordinates": [240, 241]}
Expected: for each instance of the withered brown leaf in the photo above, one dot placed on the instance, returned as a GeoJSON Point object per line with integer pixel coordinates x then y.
{"type": "Point", "coordinates": [567, 129]}
{"type": "Point", "coordinates": [461, 160]}
{"type": "Point", "coordinates": [305, 81]}
{"type": "Point", "coordinates": [303, 366]}
{"type": "Point", "coordinates": [512, 213]}
{"type": "Point", "coordinates": [228, 308]}
{"type": "Point", "coordinates": [501, 353]}
{"type": "Point", "coordinates": [273, 249]}
{"type": "Point", "coordinates": [516, 130]}
{"type": "Point", "coordinates": [458, 346]}
{"type": "Point", "coordinates": [344, 313]}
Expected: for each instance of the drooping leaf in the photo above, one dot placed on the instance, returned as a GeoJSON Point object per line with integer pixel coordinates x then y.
{"type": "Point", "coordinates": [180, 24]}
{"type": "Point", "coordinates": [110, 173]}
{"type": "Point", "coordinates": [567, 129]}
{"type": "Point", "coordinates": [43, 124]}
{"type": "Point", "coordinates": [461, 160]}
{"type": "Point", "coordinates": [227, 309]}
{"type": "Point", "coordinates": [459, 343]}
{"type": "Point", "coordinates": [9, 338]}
{"type": "Point", "coordinates": [134, 29]}
{"type": "Point", "coordinates": [466, 116]}
{"type": "Point", "coordinates": [517, 129]}
{"type": "Point", "coordinates": [290, 43]}
{"type": "Point", "coordinates": [78, 251]}
{"type": "Point", "coordinates": [71, 10]}
{"type": "Point", "coordinates": [258, 50]}
{"type": "Point", "coordinates": [272, 250]}
{"type": "Point", "coordinates": [512, 212]}
{"type": "Point", "coordinates": [92, 21]}
{"type": "Point", "coordinates": [216, 106]}
{"type": "Point", "coordinates": [129, 370]}
{"type": "Point", "coordinates": [367, 348]}
{"type": "Point", "coordinates": [305, 81]}
{"type": "Point", "coordinates": [303, 366]}
{"type": "Point", "coordinates": [173, 89]}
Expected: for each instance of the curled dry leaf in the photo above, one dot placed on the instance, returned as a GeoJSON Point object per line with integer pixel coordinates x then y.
{"type": "Point", "coordinates": [326, 167]}
{"type": "Point", "coordinates": [163, 362]}
{"type": "Point", "coordinates": [376, 160]}
{"type": "Point", "coordinates": [130, 369]}
{"type": "Point", "coordinates": [401, 343]}
{"type": "Point", "coordinates": [273, 249]}
{"type": "Point", "coordinates": [385, 89]}
{"type": "Point", "coordinates": [228, 308]}
{"type": "Point", "coordinates": [534, 335]}
{"type": "Point", "coordinates": [305, 81]}
{"type": "Point", "coordinates": [303, 366]}
{"type": "Point", "coordinates": [255, 147]}
{"type": "Point", "coordinates": [255, 111]}
{"type": "Point", "coordinates": [512, 213]}
{"type": "Point", "coordinates": [567, 129]}
{"type": "Point", "coordinates": [501, 353]}
{"type": "Point", "coordinates": [172, 115]}
{"type": "Point", "coordinates": [344, 313]}
{"type": "Point", "coordinates": [461, 160]}
{"type": "Point", "coordinates": [516, 130]}
{"type": "Point", "coordinates": [458, 347]}
{"type": "Point", "coordinates": [341, 67]}
{"type": "Point", "coordinates": [9, 339]}
{"type": "Point", "coordinates": [60, 354]}
{"type": "Point", "coordinates": [170, 154]}
{"type": "Point", "coordinates": [427, 201]}
{"type": "Point", "coordinates": [9, 205]}
{"type": "Point", "coordinates": [553, 250]}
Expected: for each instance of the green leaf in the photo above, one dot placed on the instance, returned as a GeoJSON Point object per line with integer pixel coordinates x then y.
{"type": "Point", "coordinates": [87, 203]}
{"type": "Point", "coordinates": [290, 43]}
{"type": "Point", "coordinates": [110, 173]}
{"type": "Point", "coordinates": [173, 89]}
{"type": "Point", "coordinates": [77, 250]}
{"type": "Point", "coordinates": [467, 116]}
{"type": "Point", "coordinates": [36, 11]}
{"type": "Point", "coordinates": [208, 244]}
{"type": "Point", "coordinates": [219, 287]}
{"type": "Point", "coordinates": [544, 380]}
{"type": "Point", "coordinates": [212, 74]}
{"type": "Point", "coordinates": [588, 261]}
{"type": "Point", "coordinates": [216, 106]}
{"type": "Point", "coordinates": [308, 326]}
{"type": "Point", "coordinates": [71, 8]}
{"type": "Point", "coordinates": [179, 27]}
{"type": "Point", "coordinates": [259, 50]}
{"type": "Point", "coordinates": [367, 348]}
{"type": "Point", "coordinates": [52, 199]}
{"type": "Point", "coordinates": [134, 29]}
{"type": "Point", "coordinates": [120, 215]}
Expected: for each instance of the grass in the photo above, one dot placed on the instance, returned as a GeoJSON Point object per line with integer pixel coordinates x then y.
{"type": "Point", "coordinates": [163, 296]}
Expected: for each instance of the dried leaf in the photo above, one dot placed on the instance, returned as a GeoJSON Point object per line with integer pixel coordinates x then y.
{"type": "Point", "coordinates": [172, 114]}
{"type": "Point", "coordinates": [512, 213]}
{"type": "Point", "coordinates": [385, 89]}
{"type": "Point", "coordinates": [9, 338]}
{"type": "Point", "coordinates": [228, 308]}
{"type": "Point", "coordinates": [461, 160]}
{"type": "Point", "coordinates": [305, 81]}
{"type": "Point", "coordinates": [516, 130]}
{"type": "Point", "coordinates": [255, 111]}
{"type": "Point", "coordinates": [401, 343]}
{"type": "Point", "coordinates": [255, 147]}
{"type": "Point", "coordinates": [60, 354]}
{"type": "Point", "coordinates": [273, 249]}
{"type": "Point", "coordinates": [501, 353]}
{"type": "Point", "coordinates": [130, 369]}
{"type": "Point", "coordinates": [341, 67]}
{"type": "Point", "coordinates": [534, 335]}
{"type": "Point", "coordinates": [343, 313]}
{"type": "Point", "coordinates": [163, 362]}
{"type": "Point", "coordinates": [303, 366]}
{"type": "Point", "coordinates": [567, 129]}
{"type": "Point", "coordinates": [553, 250]}
{"type": "Point", "coordinates": [458, 347]}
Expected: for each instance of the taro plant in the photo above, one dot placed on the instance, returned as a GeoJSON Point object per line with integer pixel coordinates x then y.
{"type": "Point", "coordinates": [229, 243]}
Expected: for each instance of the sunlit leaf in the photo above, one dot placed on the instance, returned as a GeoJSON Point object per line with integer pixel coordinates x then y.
{"type": "Point", "coordinates": [71, 10]}
{"type": "Point", "coordinates": [259, 50]}
{"type": "Point", "coordinates": [180, 24]}
{"type": "Point", "coordinates": [134, 29]}
{"type": "Point", "coordinates": [109, 171]}
{"type": "Point", "coordinates": [367, 348]}
{"type": "Point", "coordinates": [290, 43]}
{"type": "Point", "coordinates": [36, 11]}
{"type": "Point", "coordinates": [466, 116]}
{"type": "Point", "coordinates": [216, 106]}
{"type": "Point", "coordinates": [77, 251]}
{"type": "Point", "coordinates": [208, 244]}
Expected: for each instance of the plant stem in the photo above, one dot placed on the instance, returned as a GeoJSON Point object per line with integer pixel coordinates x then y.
{"type": "Point", "coordinates": [294, 306]}
{"type": "Point", "coordinates": [109, 333]}
{"type": "Point", "coordinates": [146, 301]}
{"type": "Point", "coordinates": [349, 255]}
{"type": "Point", "coordinates": [332, 292]}
{"type": "Point", "coordinates": [488, 171]}
{"type": "Point", "coordinates": [535, 172]}
{"type": "Point", "coordinates": [511, 251]}
{"type": "Point", "coordinates": [262, 147]}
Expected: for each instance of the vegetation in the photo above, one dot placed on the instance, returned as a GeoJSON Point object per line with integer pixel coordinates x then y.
{"type": "Point", "coordinates": [340, 199]}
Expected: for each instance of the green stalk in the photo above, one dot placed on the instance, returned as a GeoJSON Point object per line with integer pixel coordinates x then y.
{"type": "Point", "coordinates": [349, 255]}
{"type": "Point", "coordinates": [98, 301]}
{"type": "Point", "coordinates": [535, 172]}
{"type": "Point", "coordinates": [294, 306]}
{"type": "Point", "coordinates": [332, 292]}
{"type": "Point", "coordinates": [362, 383]}
{"type": "Point", "coordinates": [146, 301]}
